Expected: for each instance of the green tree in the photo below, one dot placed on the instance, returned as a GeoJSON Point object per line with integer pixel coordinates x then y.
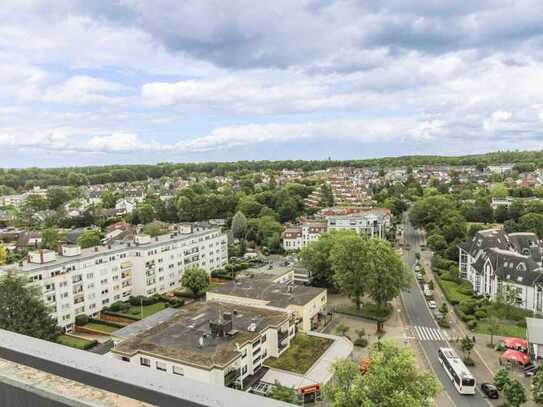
{"type": "Point", "coordinates": [284, 393]}
{"type": "Point", "coordinates": [109, 199]}
{"type": "Point", "coordinates": [326, 196]}
{"type": "Point", "coordinates": [35, 203]}
{"type": "Point", "coordinates": [532, 222]}
{"type": "Point", "coordinates": [250, 206]}
{"type": "Point", "coordinates": [316, 257]}
{"type": "Point", "coordinates": [89, 238]}
{"type": "Point", "coordinates": [342, 329]}
{"type": "Point", "coordinates": [23, 311]}
{"type": "Point", "coordinates": [501, 378]}
{"type": "Point", "coordinates": [56, 197]}
{"type": "Point", "coordinates": [514, 393]}
{"type": "Point", "coordinates": [392, 380]}
{"type": "Point", "coordinates": [239, 225]}
{"type": "Point", "coordinates": [493, 327]}
{"type": "Point", "coordinates": [437, 243]}
{"type": "Point", "coordinates": [537, 387]}
{"type": "Point", "coordinates": [385, 274]}
{"type": "Point", "coordinates": [499, 190]}
{"type": "Point", "coordinates": [50, 238]}
{"type": "Point", "coordinates": [196, 280]}
{"type": "Point", "coordinates": [146, 213]}
{"type": "Point", "coordinates": [467, 346]}
{"type": "Point", "coordinates": [349, 258]}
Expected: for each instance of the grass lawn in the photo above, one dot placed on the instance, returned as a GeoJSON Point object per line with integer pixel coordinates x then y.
{"type": "Point", "coordinates": [73, 342]}
{"type": "Point", "coordinates": [368, 311]}
{"type": "Point", "coordinates": [101, 327]}
{"type": "Point", "coordinates": [508, 328]}
{"type": "Point", "coordinates": [135, 311]}
{"type": "Point", "coordinates": [303, 352]}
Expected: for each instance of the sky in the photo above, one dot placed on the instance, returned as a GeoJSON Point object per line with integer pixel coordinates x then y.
{"type": "Point", "coordinates": [136, 81]}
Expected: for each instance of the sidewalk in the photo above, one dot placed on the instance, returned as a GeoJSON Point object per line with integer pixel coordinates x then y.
{"type": "Point", "coordinates": [486, 359]}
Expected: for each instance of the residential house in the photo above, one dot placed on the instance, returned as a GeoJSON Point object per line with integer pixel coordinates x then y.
{"type": "Point", "coordinates": [497, 263]}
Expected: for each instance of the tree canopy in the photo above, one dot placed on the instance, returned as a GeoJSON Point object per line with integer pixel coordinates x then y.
{"type": "Point", "coordinates": [196, 280]}
{"type": "Point", "coordinates": [22, 309]}
{"type": "Point", "coordinates": [393, 379]}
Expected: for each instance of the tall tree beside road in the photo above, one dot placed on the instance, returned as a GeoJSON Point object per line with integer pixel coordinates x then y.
{"type": "Point", "coordinates": [514, 393]}
{"type": "Point", "coordinates": [316, 257]}
{"type": "Point", "coordinates": [239, 225]}
{"type": "Point", "coordinates": [23, 311]}
{"type": "Point", "coordinates": [350, 261]}
{"type": "Point", "coordinates": [393, 379]}
{"type": "Point", "coordinates": [386, 274]}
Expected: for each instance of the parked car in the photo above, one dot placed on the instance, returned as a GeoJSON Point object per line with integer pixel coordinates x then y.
{"type": "Point", "coordinates": [419, 276]}
{"type": "Point", "coordinates": [490, 390]}
{"type": "Point", "coordinates": [432, 304]}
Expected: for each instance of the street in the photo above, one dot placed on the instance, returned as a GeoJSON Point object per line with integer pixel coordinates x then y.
{"type": "Point", "coordinates": [425, 329]}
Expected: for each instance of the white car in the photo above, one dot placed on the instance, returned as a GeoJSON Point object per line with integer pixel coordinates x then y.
{"type": "Point", "coordinates": [432, 304]}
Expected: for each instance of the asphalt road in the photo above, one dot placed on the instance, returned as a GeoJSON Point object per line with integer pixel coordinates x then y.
{"type": "Point", "coordinates": [418, 314]}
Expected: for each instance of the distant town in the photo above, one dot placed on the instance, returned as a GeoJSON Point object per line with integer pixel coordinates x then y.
{"type": "Point", "coordinates": [270, 280]}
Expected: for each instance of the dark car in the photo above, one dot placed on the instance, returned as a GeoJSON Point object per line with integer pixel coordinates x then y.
{"type": "Point", "coordinates": [490, 390]}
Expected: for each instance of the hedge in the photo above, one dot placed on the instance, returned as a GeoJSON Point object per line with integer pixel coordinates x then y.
{"type": "Point", "coordinates": [108, 323]}
{"type": "Point", "coordinates": [119, 314]}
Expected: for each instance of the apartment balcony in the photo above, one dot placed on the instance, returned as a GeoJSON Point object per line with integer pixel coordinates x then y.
{"type": "Point", "coordinates": [231, 376]}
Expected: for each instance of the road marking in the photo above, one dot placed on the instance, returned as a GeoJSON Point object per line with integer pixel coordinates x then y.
{"type": "Point", "coordinates": [426, 333]}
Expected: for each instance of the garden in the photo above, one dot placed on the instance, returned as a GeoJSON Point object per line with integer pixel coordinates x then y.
{"type": "Point", "coordinates": [138, 307]}
{"type": "Point", "coordinates": [75, 342]}
{"type": "Point", "coordinates": [303, 352]}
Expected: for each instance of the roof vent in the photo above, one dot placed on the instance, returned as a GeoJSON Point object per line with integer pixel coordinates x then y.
{"type": "Point", "coordinates": [252, 327]}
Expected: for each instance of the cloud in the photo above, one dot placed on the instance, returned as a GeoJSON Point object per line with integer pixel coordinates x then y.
{"type": "Point", "coordinates": [83, 90]}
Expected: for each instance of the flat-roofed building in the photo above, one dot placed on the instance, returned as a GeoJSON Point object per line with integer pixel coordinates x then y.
{"type": "Point", "coordinates": [278, 291]}
{"type": "Point", "coordinates": [85, 281]}
{"type": "Point", "coordinates": [213, 342]}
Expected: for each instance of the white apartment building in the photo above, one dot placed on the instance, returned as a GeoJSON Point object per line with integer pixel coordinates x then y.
{"type": "Point", "coordinates": [296, 238]}
{"type": "Point", "coordinates": [211, 342]}
{"type": "Point", "coordinates": [508, 264]}
{"type": "Point", "coordinates": [373, 222]}
{"type": "Point", "coordinates": [84, 281]}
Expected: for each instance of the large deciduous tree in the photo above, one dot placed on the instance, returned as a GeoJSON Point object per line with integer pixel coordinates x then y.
{"type": "Point", "coordinates": [393, 379]}
{"type": "Point", "coordinates": [22, 310]}
{"type": "Point", "coordinates": [196, 280]}
{"type": "Point", "coordinates": [239, 225]}
{"type": "Point", "coordinates": [386, 274]}
{"type": "Point", "coordinates": [90, 238]}
{"type": "Point", "coordinates": [349, 257]}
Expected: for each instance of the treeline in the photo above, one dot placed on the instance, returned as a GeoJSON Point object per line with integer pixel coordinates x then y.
{"type": "Point", "coordinates": [26, 178]}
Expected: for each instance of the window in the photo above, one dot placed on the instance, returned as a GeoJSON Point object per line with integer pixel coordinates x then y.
{"type": "Point", "coordinates": [125, 359]}
{"type": "Point", "coordinates": [161, 366]}
{"type": "Point", "coordinates": [178, 370]}
{"type": "Point", "coordinates": [145, 362]}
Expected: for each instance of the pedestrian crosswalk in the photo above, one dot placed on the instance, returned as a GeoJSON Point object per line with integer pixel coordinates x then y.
{"type": "Point", "coordinates": [426, 333]}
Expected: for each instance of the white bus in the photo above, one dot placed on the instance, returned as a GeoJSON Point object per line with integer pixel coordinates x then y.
{"type": "Point", "coordinates": [458, 372]}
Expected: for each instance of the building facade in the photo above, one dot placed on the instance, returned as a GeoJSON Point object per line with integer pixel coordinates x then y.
{"type": "Point", "coordinates": [85, 281]}
{"type": "Point", "coordinates": [497, 263]}
{"type": "Point", "coordinates": [372, 222]}
{"type": "Point", "coordinates": [213, 342]}
{"type": "Point", "coordinates": [296, 238]}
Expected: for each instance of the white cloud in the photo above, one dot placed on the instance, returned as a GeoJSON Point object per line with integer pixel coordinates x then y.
{"type": "Point", "coordinates": [84, 89]}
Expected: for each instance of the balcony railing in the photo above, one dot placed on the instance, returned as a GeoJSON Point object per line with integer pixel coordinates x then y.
{"type": "Point", "coordinates": [231, 376]}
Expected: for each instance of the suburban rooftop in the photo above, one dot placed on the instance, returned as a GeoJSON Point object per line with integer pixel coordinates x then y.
{"type": "Point", "coordinates": [268, 287]}
{"type": "Point", "coordinates": [99, 251]}
{"type": "Point", "coordinates": [186, 336]}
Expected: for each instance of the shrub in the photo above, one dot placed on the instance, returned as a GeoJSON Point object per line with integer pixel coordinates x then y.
{"type": "Point", "coordinates": [443, 323]}
{"type": "Point", "coordinates": [140, 299]}
{"type": "Point", "coordinates": [472, 325]}
{"type": "Point", "coordinates": [467, 307]}
{"type": "Point", "coordinates": [108, 323]}
{"type": "Point", "coordinates": [521, 323]}
{"type": "Point", "coordinates": [361, 342]}
{"type": "Point", "coordinates": [469, 361]}
{"type": "Point", "coordinates": [481, 314]}
{"type": "Point", "coordinates": [81, 319]}
{"type": "Point", "coordinates": [119, 306]}
{"type": "Point", "coordinates": [176, 302]}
